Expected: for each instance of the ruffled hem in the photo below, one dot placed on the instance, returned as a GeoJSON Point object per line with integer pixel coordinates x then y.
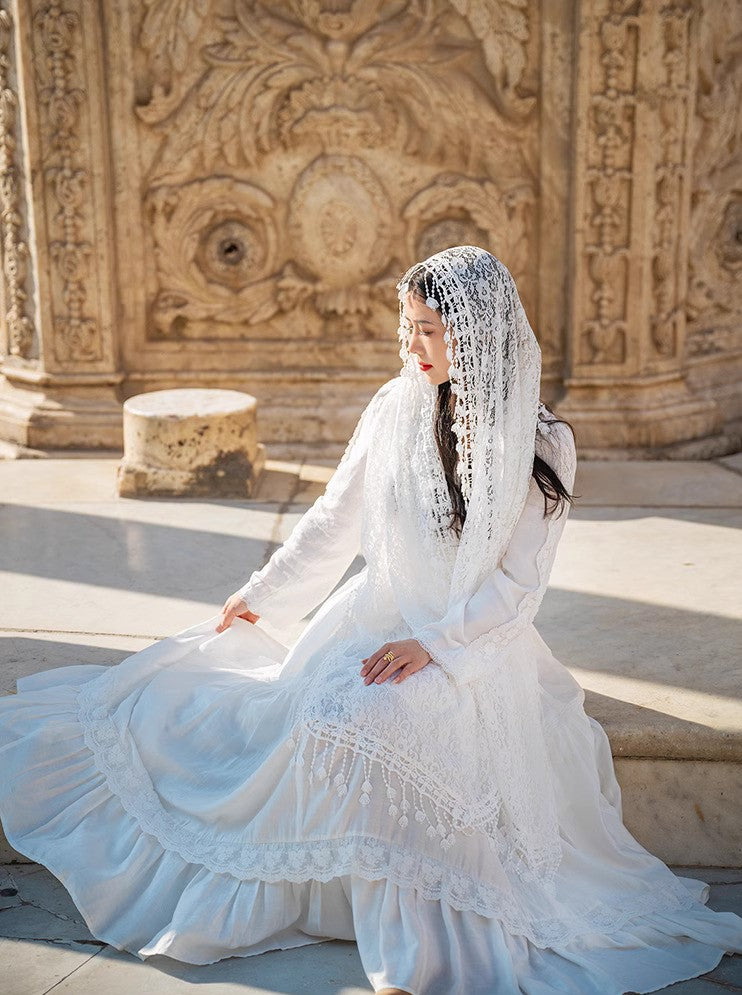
{"type": "Point", "coordinates": [161, 904]}
{"type": "Point", "coordinates": [295, 853]}
{"type": "Point", "coordinates": [461, 952]}
{"type": "Point", "coordinates": [138, 896]}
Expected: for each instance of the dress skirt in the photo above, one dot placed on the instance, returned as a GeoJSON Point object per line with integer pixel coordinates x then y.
{"type": "Point", "coordinates": [99, 799]}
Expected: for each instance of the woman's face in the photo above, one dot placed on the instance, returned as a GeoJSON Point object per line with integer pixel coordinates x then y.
{"type": "Point", "coordinates": [426, 338]}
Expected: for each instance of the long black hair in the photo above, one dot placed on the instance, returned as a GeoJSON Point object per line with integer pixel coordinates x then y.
{"type": "Point", "coordinates": [422, 284]}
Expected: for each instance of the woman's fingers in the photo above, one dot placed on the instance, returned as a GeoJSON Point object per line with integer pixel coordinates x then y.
{"type": "Point", "coordinates": [234, 607]}
{"type": "Point", "coordinates": [372, 662]}
{"type": "Point", "coordinates": [227, 616]}
{"type": "Point", "coordinates": [384, 668]}
{"type": "Point", "coordinates": [405, 672]}
{"type": "Point", "coordinates": [409, 657]}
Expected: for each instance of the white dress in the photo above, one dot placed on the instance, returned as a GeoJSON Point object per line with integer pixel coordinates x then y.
{"type": "Point", "coordinates": [176, 801]}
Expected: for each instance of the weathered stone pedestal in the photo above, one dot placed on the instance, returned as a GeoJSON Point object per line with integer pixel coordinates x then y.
{"type": "Point", "coordinates": [190, 442]}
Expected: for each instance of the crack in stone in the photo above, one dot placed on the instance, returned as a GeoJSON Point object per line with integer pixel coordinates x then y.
{"type": "Point", "coordinates": [59, 941]}
{"type": "Point", "coordinates": [726, 986]}
{"type": "Point", "coordinates": [11, 886]}
{"type": "Point", "coordinates": [42, 908]}
{"type": "Point", "coordinates": [61, 980]}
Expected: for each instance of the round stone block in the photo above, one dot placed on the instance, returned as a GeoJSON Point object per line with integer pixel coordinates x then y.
{"type": "Point", "coordinates": [192, 441]}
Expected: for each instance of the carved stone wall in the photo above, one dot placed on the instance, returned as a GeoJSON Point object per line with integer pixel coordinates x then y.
{"type": "Point", "coordinates": [627, 391]}
{"type": "Point", "coordinates": [713, 304]}
{"type": "Point", "coordinates": [225, 193]}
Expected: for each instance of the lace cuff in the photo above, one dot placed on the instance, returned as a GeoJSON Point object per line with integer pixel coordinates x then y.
{"type": "Point", "coordinates": [256, 593]}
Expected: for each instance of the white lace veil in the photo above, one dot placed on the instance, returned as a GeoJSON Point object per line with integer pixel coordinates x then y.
{"type": "Point", "coordinates": [495, 368]}
{"type": "Point", "coordinates": [495, 375]}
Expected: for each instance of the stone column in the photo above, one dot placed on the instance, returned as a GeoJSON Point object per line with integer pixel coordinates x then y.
{"type": "Point", "coordinates": [626, 391]}
{"type": "Point", "coordinates": [59, 370]}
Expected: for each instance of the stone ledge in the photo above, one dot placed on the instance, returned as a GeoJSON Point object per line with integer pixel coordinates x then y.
{"type": "Point", "coordinates": [683, 810]}
{"type": "Point", "coordinates": [639, 732]}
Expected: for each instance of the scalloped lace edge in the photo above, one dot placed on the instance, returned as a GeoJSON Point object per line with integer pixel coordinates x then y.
{"type": "Point", "coordinates": [322, 859]}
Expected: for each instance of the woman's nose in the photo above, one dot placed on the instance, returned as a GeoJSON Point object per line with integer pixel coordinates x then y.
{"type": "Point", "coordinates": [415, 343]}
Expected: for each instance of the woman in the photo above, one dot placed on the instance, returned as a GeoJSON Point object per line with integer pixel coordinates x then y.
{"type": "Point", "coordinates": [417, 771]}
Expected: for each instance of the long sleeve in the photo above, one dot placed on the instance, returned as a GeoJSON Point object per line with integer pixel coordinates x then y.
{"type": "Point", "coordinates": [507, 601]}
{"type": "Point", "coordinates": [304, 570]}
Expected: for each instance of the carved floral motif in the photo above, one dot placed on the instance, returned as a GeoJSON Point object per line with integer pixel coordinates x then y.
{"type": "Point", "coordinates": [60, 91]}
{"type": "Point", "coordinates": [669, 260]}
{"type": "Point", "coordinates": [610, 125]}
{"type": "Point", "coordinates": [215, 246]}
{"type": "Point", "coordinates": [457, 210]}
{"type": "Point", "coordinates": [714, 305]}
{"type": "Point", "coordinates": [314, 103]}
{"type": "Point", "coordinates": [15, 254]}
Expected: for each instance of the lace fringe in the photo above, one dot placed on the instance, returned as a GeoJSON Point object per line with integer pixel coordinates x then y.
{"type": "Point", "coordinates": [323, 763]}
{"type": "Point", "coordinates": [331, 762]}
{"type": "Point", "coordinates": [323, 859]}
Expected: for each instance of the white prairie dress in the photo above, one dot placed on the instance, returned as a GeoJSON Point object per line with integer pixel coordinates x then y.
{"type": "Point", "coordinates": [198, 801]}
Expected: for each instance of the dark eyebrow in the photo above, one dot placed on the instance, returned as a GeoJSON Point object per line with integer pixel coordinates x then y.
{"type": "Point", "coordinates": [422, 321]}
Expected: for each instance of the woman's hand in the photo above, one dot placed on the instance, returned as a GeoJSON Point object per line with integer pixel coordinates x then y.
{"type": "Point", "coordinates": [235, 607]}
{"type": "Point", "coordinates": [409, 657]}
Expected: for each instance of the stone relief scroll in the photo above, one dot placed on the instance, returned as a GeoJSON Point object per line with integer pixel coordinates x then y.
{"type": "Point", "coordinates": [330, 125]}
{"type": "Point", "coordinates": [672, 179]}
{"type": "Point", "coordinates": [607, 132]}
{"type": "Point", "coordinates": [62, 91]}
{"type": "Point", "coordinates": [19, 338]}
{"type": "Point", "coordinates": [714, 304]}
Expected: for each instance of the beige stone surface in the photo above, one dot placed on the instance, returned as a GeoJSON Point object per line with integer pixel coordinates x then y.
{"type": "Point", "coordinates": [644, 607]}
{"type": "Point", "coordinates": [683, 809]}
{"type": "Point", "coordinates": [190, 442]}
{"type": "Point", "coordinates": [661, 484]}
{"type": "Point", "coordinates": [235, 214]}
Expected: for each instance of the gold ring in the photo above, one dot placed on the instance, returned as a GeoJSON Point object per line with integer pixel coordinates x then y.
{"type": "Point", "coordinates": [388, 656]}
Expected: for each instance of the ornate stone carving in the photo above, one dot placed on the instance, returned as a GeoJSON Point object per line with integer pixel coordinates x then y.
{"type": "Point", "coordinates": [340, 224]}
{"type": "Point", "coordinates": [341, 115]}
{"type": "Point", "coordinates": [60, 87]}
{"type": "Point", "coordinates": [608, 131]}
{"type": "Point", "coordinates": [504, 30]}
{"type": "Point", "coordinates": [331, 77]}
{"type": "Point", "coordinates": [454, 209]}
{"type": "Point", "coordinates": [714, 306]}
{"type": "Point", "coordinates": [257, 174]}
{"type": "Point", "coordinates": [21, 333]}
{"type": "Point", "coordinates": [627, 388]}
{"type": "Point", "coordinates": [670, 258]}
{"type": "Point", "coordinates": [215, 246]}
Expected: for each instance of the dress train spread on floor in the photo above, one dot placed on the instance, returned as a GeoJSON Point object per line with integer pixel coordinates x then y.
{"type": "Point", "coordinates": [162, 793]}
